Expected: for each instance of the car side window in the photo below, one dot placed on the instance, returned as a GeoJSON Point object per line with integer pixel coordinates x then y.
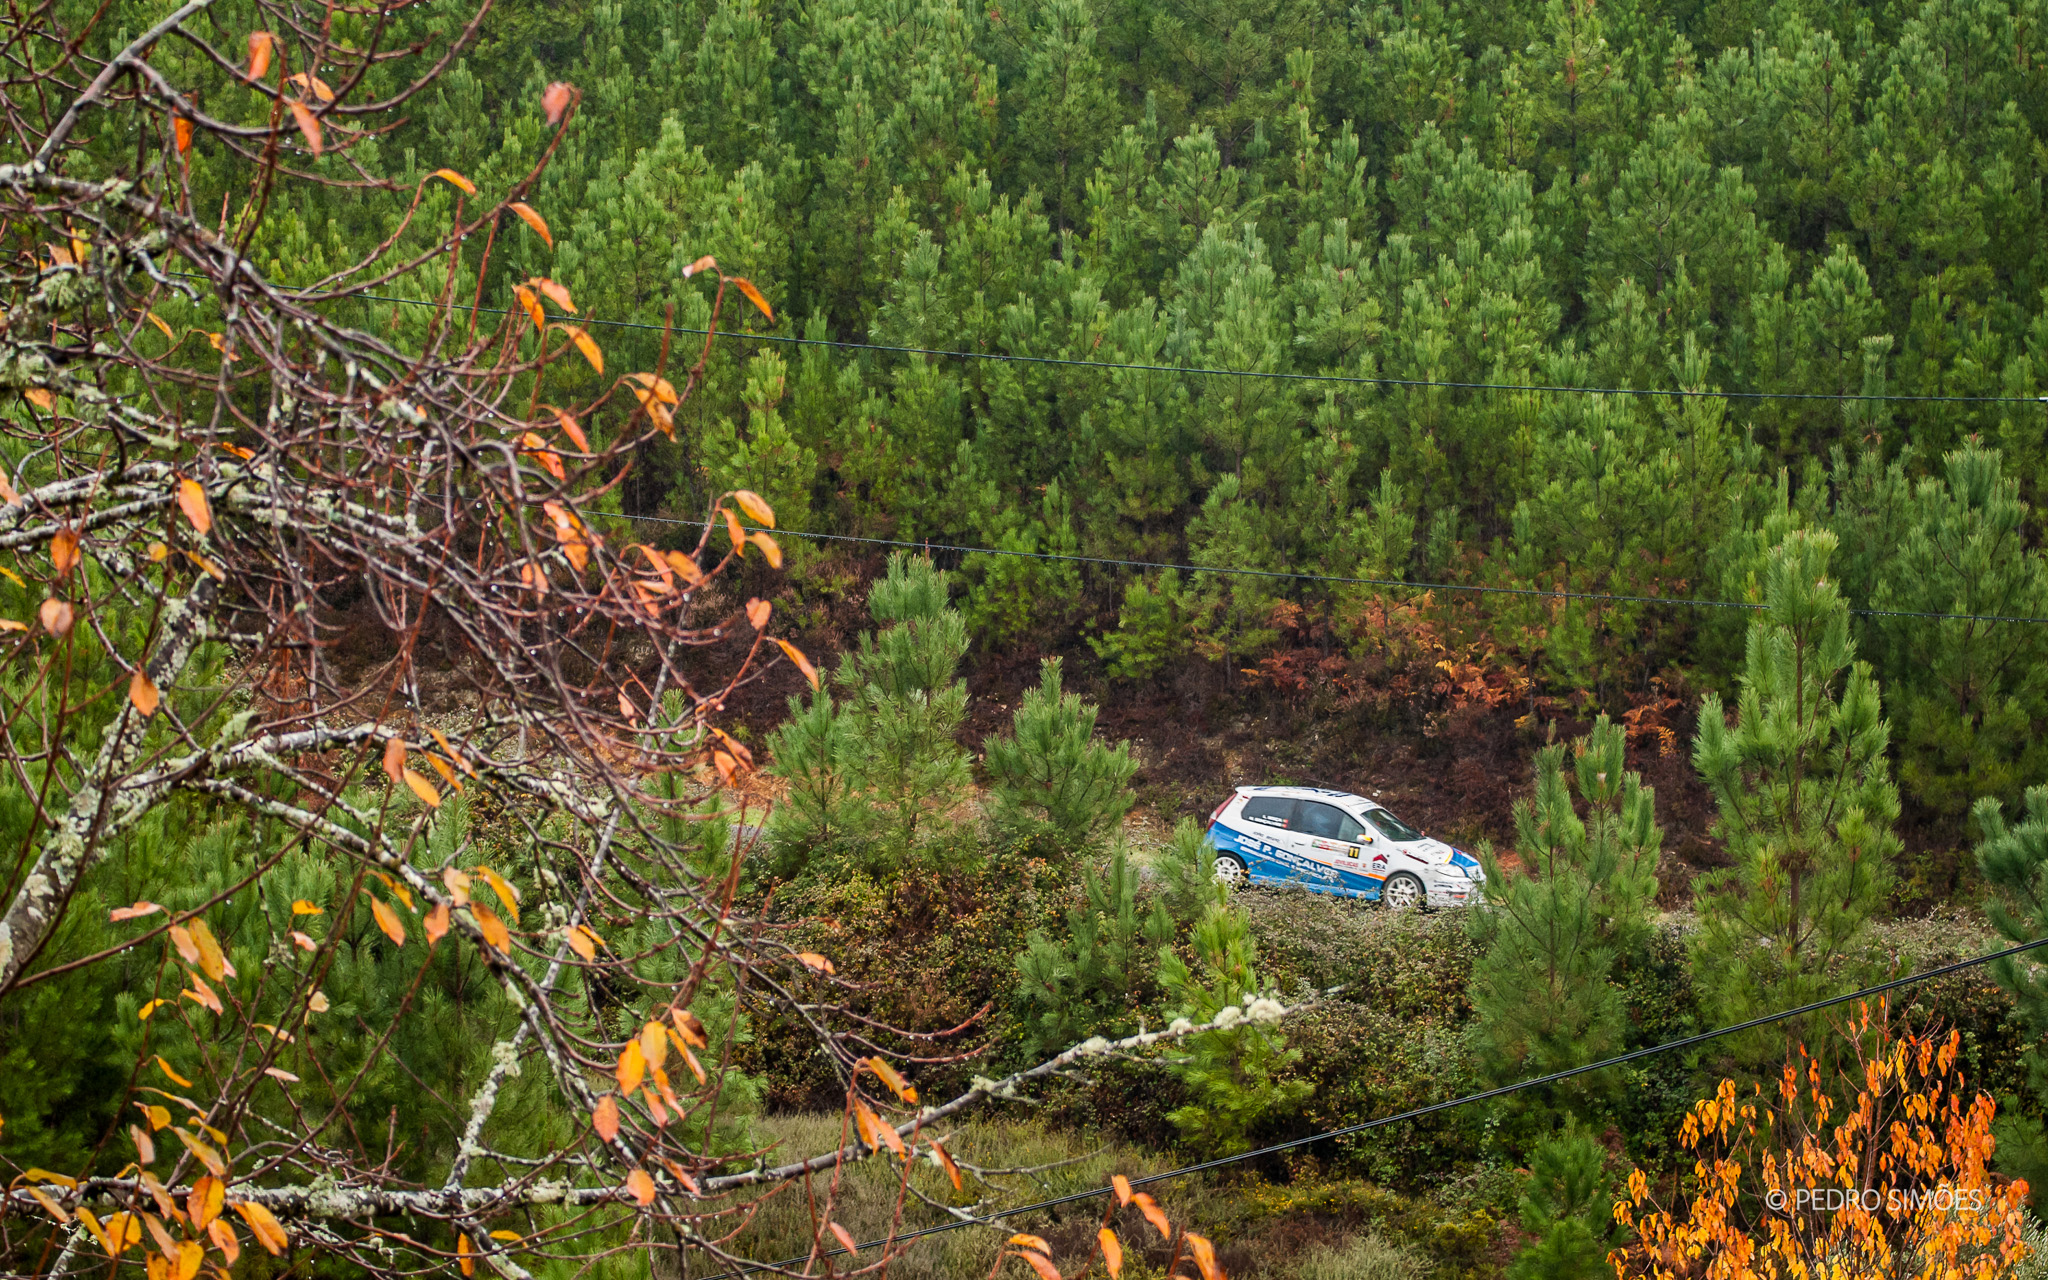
{"type": "Point", "coordinates": [1270, 811]}
{"type": "Point", "coordinates": [1350, 829]}
{"type": "Point", "coordinates": [1392, 827]}
{"type": "Point", "coordinates": [1323, 820]}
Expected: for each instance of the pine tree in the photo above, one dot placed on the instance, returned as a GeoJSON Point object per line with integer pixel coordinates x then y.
{"type": "Point", "coordinates": [1050, 774]}
{"type": "Point", "coordinates": [1543, 991]}
{"type": "Point", "coordinates": [1567, 1204]}
{"type": "Point", "coordinates": [1806, 803]}
{"type": "Point", "coordinates": [2013, 857]}
{"type": "Point", "coordinates": [1089, 982]}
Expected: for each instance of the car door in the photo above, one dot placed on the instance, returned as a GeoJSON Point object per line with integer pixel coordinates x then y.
{"type": "Point", "coordinates": [1335, 840]}
{"type": "Point", "coordinates": [1265, 837]}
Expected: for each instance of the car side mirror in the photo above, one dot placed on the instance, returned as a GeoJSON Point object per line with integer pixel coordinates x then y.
{"type": "Point", "coordinates": [1368, 839]}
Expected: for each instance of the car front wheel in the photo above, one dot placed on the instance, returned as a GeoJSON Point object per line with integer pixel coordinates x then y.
{"type": "Point", "coordinates": [1230, 870]}
{"type": "Point", "coordinates": [1401, 892]}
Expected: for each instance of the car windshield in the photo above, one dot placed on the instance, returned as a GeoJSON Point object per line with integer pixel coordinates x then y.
{"type": "Point", "coordinates": [1391, 827]}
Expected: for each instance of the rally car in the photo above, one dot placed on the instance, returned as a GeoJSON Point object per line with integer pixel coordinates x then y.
{"type": "Point", "coordinates": [1336, 842]}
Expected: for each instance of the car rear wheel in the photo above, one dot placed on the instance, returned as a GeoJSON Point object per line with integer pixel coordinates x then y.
{"type": "Point", "coordinates": [1401, 892]}
{"type": "Point", "coordinates": [1230, 870]}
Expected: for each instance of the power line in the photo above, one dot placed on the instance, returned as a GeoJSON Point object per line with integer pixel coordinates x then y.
{"type": "Point", "coordinates": [1476, 589]}
{"type": "Point", "coordinates": [1672, 1046]}
{"type": "Point", "coordinates": [1256, 374]}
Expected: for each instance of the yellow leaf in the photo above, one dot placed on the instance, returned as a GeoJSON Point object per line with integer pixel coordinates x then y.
{"type": "Point", "coordinates": [891, 1077]}
{"type": "Point", "coordinates": [632, 1067]}
{"type": "Point", "coordinates": [768, 548]}
{"type": "Point", "coordinates": [532, 304]}
{"type": "Point", "coordinates": [605, 1119]}
{"type": "Point", "coordinates": [812, 960]}
{"type": "Point", "coordinates": [318, 1002]}
{"type": "Point", "coordinates": [123, 1229]}
{"type": "Point", "coordinates": [586, 346]}
{"type": "Point", "coordinates": [452, 753]}
{"type": "Point", "coordinates": [50, 1206]}
{"type": "Point", "coordinates": [99, 1233]}
{"type": "Point", "coordinates": [462, 1255]}
{"type": "Point", "coordinates": [754, 296]}
{"type": "Point", "coordinates": [40, 398]}
{"type": "Point", "coordinates": [206, 1155]}
{"type": "Point", "coordinates": [494, 930]}
{"type": "Point", "coordinates": [388, 921]}
{"type": "Point", "coordinates": [512, 1236]}
{"type": "Point", "coordinates": [149, 1008]}
{"type": "Point", "coordinates": [534, 220]}
{"type": "Point", "coordinates": [208, 567]}
{"type": "Point", "coordinates": [1112, 1252]}
{"type": "Point", "coordinates": [803, 664]}
{"type": "Point", "coordinates": [301, 907]}
{"type": "Point", "coordinates": [436, 924]}
{"type": "Point", "coordinates": [705, 263]}
{"type": "Point", "coordinates": [456, 180]}
{"type": "Point", "coordinates": [641, 1186]}
{"type": "Point", "coordinates": [55, 1179]}
{"type": "Point", "coordinates": [203, 1202]}
{"type": "Point", "coordinates": [428, 793]}
{"type": "Point", "coordinates": [212, 960]}
{"type": "Point", "coordinates": [755, 506]}
{"type": "Point", "coordinates": [309, 125]}
{"type": "Point", "coordinates": [1031, 1242]}
{"type": "Point", "coordinates": [9, 624]}
{"type": "Point", "coordinates": [268, 1233]}
{"type": "Point", "coordinates": [654, 1045]}
{"type": "Point", "coordinates": [176, 1079]}
{"type": "Point", "coordinates": [506, 893]}
{"type": "Point", "coordinates": [158, 321]}
{"type": "Point", "coordinates": [259, 53]}
{"type": "Point", "coordinates": [580, 941]}
{"type": "Point", "coordinates": [685, 567]}
{"type": "Point", "coordinates": [192, 501]}
{"type": "Point", "coordinates": [159, 1116]}
{"type": "Point", "coordinates": [55, 615]}
{"type": "Point", "coordinates": [660, 388]}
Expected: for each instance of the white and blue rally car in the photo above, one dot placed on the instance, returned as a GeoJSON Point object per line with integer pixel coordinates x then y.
{"type": "Point", "coordinates": [1336, 842]}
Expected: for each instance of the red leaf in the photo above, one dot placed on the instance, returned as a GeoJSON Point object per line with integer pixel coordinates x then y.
{"type": "Point", "coordinates": [557, 100]}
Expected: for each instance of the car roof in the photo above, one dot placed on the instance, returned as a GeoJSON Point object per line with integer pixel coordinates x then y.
{"type": "Point", "coordinates": [1308, 793]}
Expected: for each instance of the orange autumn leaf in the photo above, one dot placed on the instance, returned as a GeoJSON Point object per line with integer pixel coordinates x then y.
{"type": "Point", "coordinates": [1112, 1252]}
{"type": "Point", "coordinates": [181, 131]}
{"type": "Point", "coordinates": [192, 501]}
{"type": "Point", "coordinates": [388, 921]}
{"type": "Point", "coordinates": [888, 1075]}
{"type": "Point", "coordinates": [496, 935]}
{"type": "Point", "coordinates": [142, 693]}
{"type": "Point", "coordinates": [309, 126]}
{"type": "Point", "coordinates": [1122, 1186]}
{"type": "Point", "coordinates": [1204, 1255]}
{"type": "Point", "coordinates": [456, 180]}
{"type": "Point", "coordinates": [269, 1233]}
{"type": "Point", "coordinates": [844, 1237]}
{"type": "Point", "coordinates": [689, 1029]}
{"type": "Point", "coordinates": [586, 345]}
{"type": "Point", "coordinates": [757, 613]}
{"type": "Point", "coordinates": [946, 1163]}
{"type": "Point", "coordinates": [259, 53]}
{"type": "Point", "coordinates": [553, 292]}
{"type": "Point", "coordinates": [507, 894]}
{"type": "Point", "coordinates": [812, 960]}
{"type": "Point", "coordinates": [1153, 1214]}
{"type": "Point", "coordinates": [436, 924]}
{"type": "Point", "coordinates": [803, 664]}
{"type": "Point", "coordinates": [531, 303]}
{"type": "Point", "coordinates": [212, 960]}
{"type": "Point", "coordinates": [556, 99]}
{"type": "Point", "coordinates": [394, 759]}
{"type": "Point", "coordinates": [632, 1068]}
{"type": "Point", "coordinates": [768, 548]}
{"type": "Point", "coordinates": [1023, 1241]}
{"type": "Point", "coordinates": [129, 913]}
{"type": "Point", "coordinates": [641, 1186]}
{"type": "Point", "coordinates": [754, 296]}
{"type": "Point", "coordinates": [464, 1255]}
{"type": "Point", "coordinates": [605, 1118]}
{"type": "Point", "coordinates": [64, 555]}
{"type": "Point", "coordinates": [1039, 1263]}
{"type": "Point", "coordinates": [203, 1202]}
{"type": "Point", "coordinates": [532, 219]}
{"type": "Point", "coordinates": [571, 430]}
{"type": "Point", "coordinates": [705, 263]}
{"type": "Point", "coordinates": [583, 942]}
